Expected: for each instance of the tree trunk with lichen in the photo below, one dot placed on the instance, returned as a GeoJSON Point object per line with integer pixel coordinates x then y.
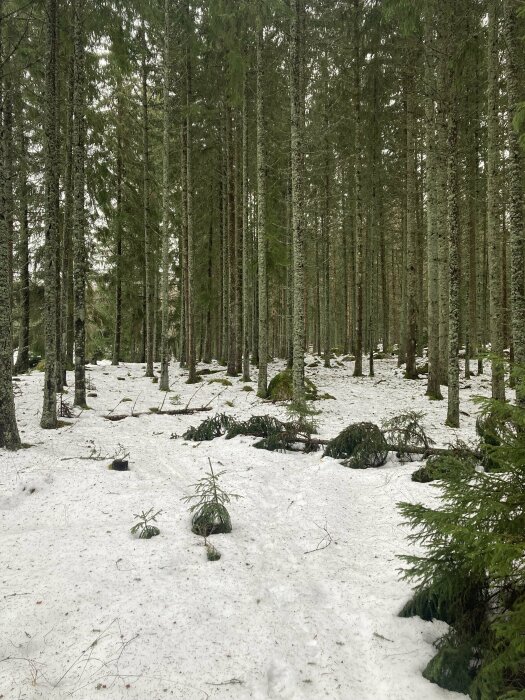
{"type": "Point", "coordinates": [164, 383]}
{"type": "Point", "coordinates": [262, 386]}
{"type": "Point", "coordinates": [359, 222]}
{"type": "Point", "coordinates": [493, 207]}
{"type": "Point", "coordinates": [9, 436]}
{"type": "Point", "coordinates": [22, 359]}
{"type": "Point", "coordinates": [51, 179]}
{"type": "Point", "coordinates": [79, 214]}
{"type": "Point", "coordinates": [516, 219]}
{"type": "Point", "coordinates": [297, 162]}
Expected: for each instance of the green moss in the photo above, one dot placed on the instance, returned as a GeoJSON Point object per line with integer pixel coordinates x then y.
{"type": "Point", "coordinates": [440, 467]}
{"type": "Point", "coordinates": [451, 668]}
{"type": "Point", "coordinates": [247, 388]}
{"type": "Point", "coordinates": [220, 380]}
{"type": "Point", "coordinates": [41, 366]}
{"type": "Point", "coordinates": [281, 387]}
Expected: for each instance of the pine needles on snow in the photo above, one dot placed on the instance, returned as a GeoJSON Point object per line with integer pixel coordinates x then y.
{"type": "Point", "coordinates": [439, 467]}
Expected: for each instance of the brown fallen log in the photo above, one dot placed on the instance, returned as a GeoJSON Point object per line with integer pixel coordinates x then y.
{"type": "Point", "coordinates": [115, 417]}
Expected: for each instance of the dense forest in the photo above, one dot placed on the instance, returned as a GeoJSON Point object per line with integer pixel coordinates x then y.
{"type": "Point", "coordinates": [247, 181]}
{"type": "Point", "coordinates": [278, 191]}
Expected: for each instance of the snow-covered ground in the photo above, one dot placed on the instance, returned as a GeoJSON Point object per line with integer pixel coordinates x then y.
{"type": "Point", "coordinates": [89, 611]}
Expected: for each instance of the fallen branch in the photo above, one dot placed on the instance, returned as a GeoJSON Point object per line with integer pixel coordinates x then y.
{"type": "Point", "coordinates": [173, 412]}
{"type": "Point", "coordinates": [426, 451]}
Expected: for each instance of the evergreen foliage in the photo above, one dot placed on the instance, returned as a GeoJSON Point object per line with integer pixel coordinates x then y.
{"type": "Point", "coordinates": [361, 445]}
{"type": "Point", "coordinates": [143, 528]}
{"type": "Point", "coordinates": [209, 501]}
{"type": "Point", "coordinates": [281, 387]}
{"type": "Point", "coordinates": [210, 428]}
{"type": "Point", "coordinates": [275, 434]}
{"type": "Point", "coordinates": [406, 430]}
{"type": "Point", "coordinates": [474, 566]}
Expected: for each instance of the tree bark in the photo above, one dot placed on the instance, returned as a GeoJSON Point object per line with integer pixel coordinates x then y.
{"type": "Point", "coordinates": [22, 360]}
{"type": "Point", "coordinates": [359, 224]}
{"type": "Point", "coordinates": [148, 267]}
{"type": "Point", "coordinates": [79, 215]}
{"type": "Point", "coordinates": [164, 384]}
{"type": "Point", "coordinates": [51, 176]}
{"type": "Point", "coordinates": [297, 162]}
{"type": "Point", "coordinates": [516, 219]}
{"type": "Point", "coordinates": [493, 208]}
{"type": "Point", "coordinates": [9, 436]}
{"type": "Point", "coordinates": [262, 384]}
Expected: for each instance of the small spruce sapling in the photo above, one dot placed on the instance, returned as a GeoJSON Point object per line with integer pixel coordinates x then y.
{"type": "Point", "coordinates": [209, 512]}
{"type": "Point", "coordinates": [143, 528]}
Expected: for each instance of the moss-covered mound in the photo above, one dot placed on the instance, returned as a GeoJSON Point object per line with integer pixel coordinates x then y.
{"type": "Point", "coordinates": [281, 387]}
{"type": "Point", "coordinates": [440, 467]}
{"type": "Point", "coordinates": [453, 667]}
{"type": "Point", "coordinates": [210, 519]}
{"type": "Point", "coordinates": [361, 445]}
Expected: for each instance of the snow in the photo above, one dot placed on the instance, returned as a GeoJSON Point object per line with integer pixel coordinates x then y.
{"type": "Point", "coordinates": [303, 603]}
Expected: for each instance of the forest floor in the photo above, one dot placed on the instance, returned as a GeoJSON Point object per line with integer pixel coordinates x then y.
{"type": "Point", "coordinates": [303, 603]}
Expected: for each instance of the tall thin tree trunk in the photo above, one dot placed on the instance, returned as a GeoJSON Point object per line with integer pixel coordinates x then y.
{"type": "Point", "coordinates": [49, 412]}
{"type": "Point", "coordinates": [297, 159]}
{"type": "Point", "coordinates": [67, 303]}
{"type": "Point", "coordinates": [148, 267]}
{"type": "Point", "coordinates": [262, 386]}
{"type": "Point", "coordinates": [516, 219]}
{"type": "Point", "coordinates": [190, 246]}
{"type": "Point", "coordinates": [433, 385]}
{"type": "Point", "coordinates": [9, 436]}
{"type": "Point", "coordinates": [454, 248]}
{"type": "Point", "coordinates": [359, 231]}
{"type": "Point", "coordinates": [117, 339]}
{"type": "Point", "coordinates": [79, 215]}
{"type": "Point", "coordinates": [232, 263]}
{"type": "Point", "coordinates": [245, 242]}
{"type": "Point", "coordinates": [493, 208]}
{"type": "Point", "coordinates": [164, 384]}
{"type": "Point", "coordinates": [22, 360]}
{"type": "Point", "coordinates": [411, 224]}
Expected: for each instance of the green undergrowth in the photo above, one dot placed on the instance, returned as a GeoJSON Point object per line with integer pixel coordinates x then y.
{"type": "Point", "coordinates": [472, 569]}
